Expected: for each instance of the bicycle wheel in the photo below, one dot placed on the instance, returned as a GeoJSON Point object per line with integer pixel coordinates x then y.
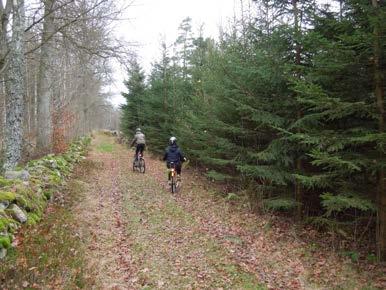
{"type": "Point", "coordinates": [173, 186]}
{"type": "Point", "coordinates": [141, 165]}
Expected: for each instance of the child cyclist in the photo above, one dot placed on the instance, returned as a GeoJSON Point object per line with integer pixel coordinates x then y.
{"type": "Point", "coordinates": [173, 154]}
{"type": "Point", "coordinates": [140, 142]}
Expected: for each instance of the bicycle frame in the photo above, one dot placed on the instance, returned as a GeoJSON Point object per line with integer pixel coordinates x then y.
{"type": "Point", "coordinates": [173, 178]}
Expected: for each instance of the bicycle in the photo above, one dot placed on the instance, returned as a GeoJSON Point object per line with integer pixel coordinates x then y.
{"type": "Point", "coordinates": [139, 163]}
{"type": "Point", "coordinates": [174, 182]}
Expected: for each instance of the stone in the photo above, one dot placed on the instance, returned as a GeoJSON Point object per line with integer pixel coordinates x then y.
{"type": "Point", "coordinates": [53, 164]}
{"type": "Point", "coordinates": [3, 253]}
{"type": "Point", "coordinates": [22, 174]}
{"type": "Point", "coordinates": [4, 204]}
{"type": "Point", "coordinates": [17, 213]}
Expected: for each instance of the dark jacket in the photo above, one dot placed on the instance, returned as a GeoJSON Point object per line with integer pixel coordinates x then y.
{"type": "Point", "coordinates": [174, 154]}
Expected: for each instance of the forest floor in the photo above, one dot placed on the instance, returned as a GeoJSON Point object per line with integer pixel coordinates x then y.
{"type": "Point", "coordinates": [113, 228]}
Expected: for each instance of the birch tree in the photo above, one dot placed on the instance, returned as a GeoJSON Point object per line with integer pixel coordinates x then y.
{"type": "Point", "coordinates": [44, 83]}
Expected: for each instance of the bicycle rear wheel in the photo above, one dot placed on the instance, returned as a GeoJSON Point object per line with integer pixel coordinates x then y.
{"type": "Point", "coordinates": [142, 165]}
{"type": "Point", "coordinates": [173, 185]}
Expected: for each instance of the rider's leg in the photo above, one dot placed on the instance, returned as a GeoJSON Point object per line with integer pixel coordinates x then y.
{"type": "Point", "coordinates": [169, 173]}
{"type": "Point", "coordinates": [137, 149]}
{"type": "Point", "coordinates": [178, 169]}
{"type": "Point", "coordinates": [141, 148]}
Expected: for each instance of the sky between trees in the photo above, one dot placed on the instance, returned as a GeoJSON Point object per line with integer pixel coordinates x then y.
{"type": "Point", "coordinates": [148, 22]}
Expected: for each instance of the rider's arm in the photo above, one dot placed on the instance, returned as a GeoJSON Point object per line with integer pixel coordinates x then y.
{"type": "Point", "coordinates": [165, 155]}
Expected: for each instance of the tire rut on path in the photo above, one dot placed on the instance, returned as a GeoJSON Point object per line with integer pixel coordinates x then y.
{"type": "Point", "coordinates": [100, 212]}
{"type": "Point", "coordinates": [141, 238]}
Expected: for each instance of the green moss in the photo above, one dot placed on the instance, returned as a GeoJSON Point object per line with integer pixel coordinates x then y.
{"type": "Point", "coordinates": [33, 218]}
{"type": "Point", "coordinates": [13, 225]}
{"type": "Point", "coordinates": [2, 213]}
{"type": "Point", "coordinates": [21, 201]}
{"type": "Point", "coordinates": [55, 179]}
{"type": "Point", "coordinates": [47, 174]}
{"type": "Point", "coordinates": [7, 196]}
{"type": "Point", "coordinates": [4, 222]}
{"type": "Point", "coordinates": [32, 200]}
{"type": "Point", "coordinates": [5, 182]}
{"type": "Point", "coordinates": [8, 224]}
{"type": "Point", "coordinates": [48, 193]}
{"type": "Point", "coordinates": [5, 241]}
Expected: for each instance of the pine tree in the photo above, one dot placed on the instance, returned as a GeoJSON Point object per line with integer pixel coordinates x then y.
{"type": "Point", "coordinates": [133, 114]}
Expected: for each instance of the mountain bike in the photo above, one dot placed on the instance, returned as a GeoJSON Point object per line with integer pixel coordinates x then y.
{"type": "Point", "coordinates": [173, 180]}
{"type": "Point", "coordinates": [139, 163]}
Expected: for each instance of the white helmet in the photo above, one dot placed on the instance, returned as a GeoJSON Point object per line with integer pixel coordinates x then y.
{"type": "Point", "coordinates": [138, 130]}
{"type": "Point", "coordinates": [172, 140]}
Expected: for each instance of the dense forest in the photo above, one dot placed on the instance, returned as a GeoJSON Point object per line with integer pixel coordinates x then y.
{"type": "Point", "coordinates": [287, 106]}
{"type": "Point", "coordinates": [54, 63]}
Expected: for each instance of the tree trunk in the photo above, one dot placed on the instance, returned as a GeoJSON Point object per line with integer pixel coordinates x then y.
{"type": "Point", "coordinates": [299, 163]}
{"type": "Point", "coordinates": [44, 118]}
{"type": "Point", "coordinates": [15, 90]}
{"type": "Point", "coordinates": [379, 94]}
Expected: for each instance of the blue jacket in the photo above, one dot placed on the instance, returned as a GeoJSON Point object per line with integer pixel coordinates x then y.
{"type": "Point", "coordinates": [174, 154]}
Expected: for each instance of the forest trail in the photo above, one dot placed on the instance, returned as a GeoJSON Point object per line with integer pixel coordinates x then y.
{"type": "Point", "coordinates": [142, 236]}
{"type": "Point", "coordinates": [125, 230]}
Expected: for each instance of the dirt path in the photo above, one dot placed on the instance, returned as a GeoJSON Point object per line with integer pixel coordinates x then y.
{"type": "Point", "coordinates": [118, 229]}
{"type": "Point", "coordinates": [139, 236]}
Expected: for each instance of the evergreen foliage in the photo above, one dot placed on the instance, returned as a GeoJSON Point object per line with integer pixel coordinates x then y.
{"type": "Point", "coordinates": [283, 103]}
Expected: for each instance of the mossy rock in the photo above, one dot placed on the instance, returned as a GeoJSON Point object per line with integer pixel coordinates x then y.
{"type": "Point", "coordinates": [7, 196]}
{"type": "Point", "coordinates": [6, 221]}
{"type": "Point", "coordinates": [31, 201]}
{"type": "Point", "coordinates": [45, 175]}
{"type": "Point", "coordinates": [16, 213]}
{"type": "Point", "coordinates": [7, 224]}
{"type": "Point", "coordinates": [5, 241]}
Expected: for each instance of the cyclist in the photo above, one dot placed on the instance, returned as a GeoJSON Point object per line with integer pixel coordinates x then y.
{"type": "Point", "coordinates": [140, 142]}
{"type": "Point", "coordinates": [174, 154]}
